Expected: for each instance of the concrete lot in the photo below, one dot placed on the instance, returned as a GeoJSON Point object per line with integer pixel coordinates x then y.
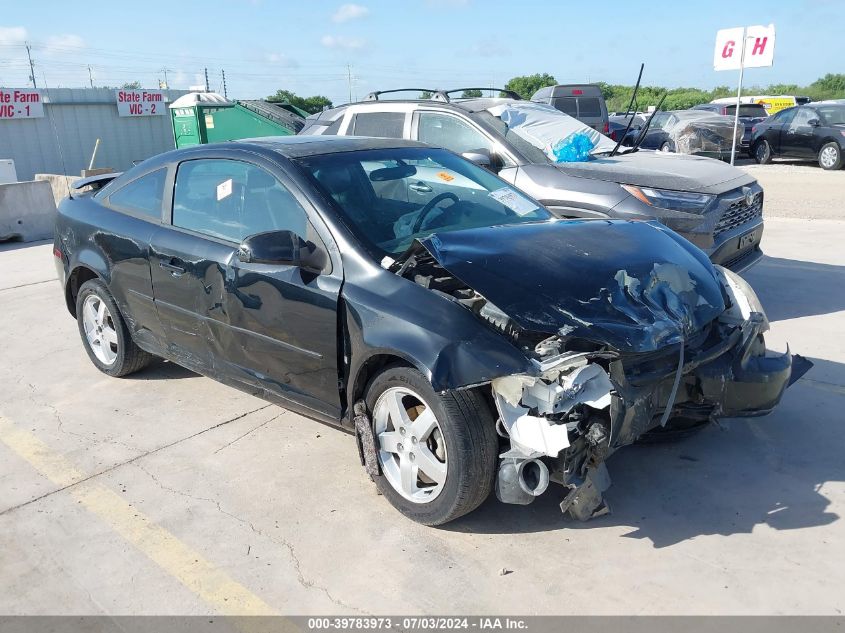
{"type": "Point", "coordinates": [799, 189]}
{"type": "Point", "coordinates": [167, 493]}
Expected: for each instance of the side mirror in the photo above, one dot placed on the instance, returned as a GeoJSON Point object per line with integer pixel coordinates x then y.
{"type": "Point", "coordinates": [282, 248]}
{"type": "Point", "coordinates": [480, 157]}
{"type": "Point", "coordinates": [813, 123]}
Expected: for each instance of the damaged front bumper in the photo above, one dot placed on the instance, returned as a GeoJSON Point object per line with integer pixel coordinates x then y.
{"type": "Point", "coordinates": [563, 422]}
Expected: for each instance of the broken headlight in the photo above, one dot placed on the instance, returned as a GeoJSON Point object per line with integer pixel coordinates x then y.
{"type": "Point", "coordinates": [744, 300]}
{"type": "Point", "coordinates": [674, 200]}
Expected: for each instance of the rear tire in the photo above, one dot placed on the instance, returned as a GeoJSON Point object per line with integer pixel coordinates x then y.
{"type": "Point", "coordinates": [763, 152]}
{"type": "Point", "coordinates": [666, 148]}
{"type": "Point", "coordinates": [830, 156]}
{"type": "Point", "coordinates": [104, 333]}
{"type": "Point", "coordinates": [455, 428]}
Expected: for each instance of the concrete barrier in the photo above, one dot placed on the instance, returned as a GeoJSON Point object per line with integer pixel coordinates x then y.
{"type": "Point", "coordinates": [27, 211]}
{"type": "Point", "coordinates": [59, 183]}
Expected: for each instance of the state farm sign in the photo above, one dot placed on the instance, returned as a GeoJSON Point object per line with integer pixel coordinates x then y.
{"type": "Point", "coordinates": [759, 47]}
{"type": "Point", "coordinates": [140, 102]}
{"type": "Point", "coordinates": [20, 103]}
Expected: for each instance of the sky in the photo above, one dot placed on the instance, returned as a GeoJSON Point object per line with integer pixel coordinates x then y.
{"type": "Point", "coordinates": [337, 48]}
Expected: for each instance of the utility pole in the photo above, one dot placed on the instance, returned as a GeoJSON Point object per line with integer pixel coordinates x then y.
{"type": "Point", "coordinates": [225, 94]}
{"type": "Point", "coordinates": [90, 77]}
{"type": "Point", "coordinates": [31, 66]}
{"type": "Point", "coordinates": [349, 80]}
{"type": "Point", "coordinates": [164, 70]}
{"type": "Point", "coordinates": [206, 79]}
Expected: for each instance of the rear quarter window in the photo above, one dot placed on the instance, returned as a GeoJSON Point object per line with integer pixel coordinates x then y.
{"type": "Point", "coordinates": [378, 124]}
{"type": "Point", "coordinates": [142, 196]}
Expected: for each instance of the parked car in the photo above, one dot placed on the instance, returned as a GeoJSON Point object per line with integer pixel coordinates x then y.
{"type": "Point", "coordinates": [749, 115]}
{"type": "Point", "coordinates": [690, 132]}
{"type": "Point", "coordinates": [405, 294]}
{"type": "Point", "coordinates": [814, 131]}
{"type": "Point", "coordinates": [717, 207]}
{"type": "Point", "coordinates": [618, 125]}
{"type": "Point", "coordinates": [584, 102]}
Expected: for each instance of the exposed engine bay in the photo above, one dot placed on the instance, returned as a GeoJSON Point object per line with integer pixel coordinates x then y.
{"type": "Point", "coordinates": [681, 356]}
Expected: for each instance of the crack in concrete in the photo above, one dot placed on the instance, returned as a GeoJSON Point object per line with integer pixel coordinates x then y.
{"type": "Point", "coordinates": [132, 460]}
{"type": "Point", "coordinates": [297, 565]}
{"type": "Point", "coordinates": [252, 430]}
{"type": "Point", "coordinates": [32, 283]}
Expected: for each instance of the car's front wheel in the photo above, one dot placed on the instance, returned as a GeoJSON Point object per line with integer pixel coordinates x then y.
{"type": "Point", "coordinates": [437, 452]}
{"type": "Point", "coordinates": [666, 148]}
{"type": "Point", "coordinates": [830, 156]}
{"type": "Point", "coordinates": [104, 333]}
{"type": "Point", "coordinates": [763, 152]}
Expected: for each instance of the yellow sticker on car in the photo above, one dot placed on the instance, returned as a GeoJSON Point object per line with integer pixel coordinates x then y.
{"type": "Point", "coordinates": [445, 176]}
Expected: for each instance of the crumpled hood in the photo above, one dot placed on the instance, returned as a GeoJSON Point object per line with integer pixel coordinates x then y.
{"type": "Point", "coordinates": [646, 168]}
{"type": "Point", "coordinates": [634, 286]}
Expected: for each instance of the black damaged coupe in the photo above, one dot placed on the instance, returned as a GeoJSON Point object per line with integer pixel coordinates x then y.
{"type": "Point", "coordinates": [469, 340]}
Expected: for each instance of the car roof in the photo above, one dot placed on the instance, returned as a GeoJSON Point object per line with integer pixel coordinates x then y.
{"type": "Point", "coordinates": [301, 146]}
{"type": "Point", "coordinates": [472, 104]}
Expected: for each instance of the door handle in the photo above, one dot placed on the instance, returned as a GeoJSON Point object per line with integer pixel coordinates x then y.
{"type": "Point", "coordinates": [173, 269]}
{"type": "Point", "coordinates": [420, 187]}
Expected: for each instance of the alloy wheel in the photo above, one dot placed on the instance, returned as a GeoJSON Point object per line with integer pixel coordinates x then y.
{"type": "Point", "coordinates": [828, 157]}
{"type": "Point", "coordinates": [412, 450]}
{"type": "Point", "coordinates": [99, 329]}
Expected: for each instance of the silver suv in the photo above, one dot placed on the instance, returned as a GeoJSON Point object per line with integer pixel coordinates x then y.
{"type": "Point", "coordinates": [717, 207]}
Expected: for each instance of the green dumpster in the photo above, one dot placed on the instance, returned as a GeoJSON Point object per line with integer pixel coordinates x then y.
{"type": "Point", "coordinates": [207, 117]}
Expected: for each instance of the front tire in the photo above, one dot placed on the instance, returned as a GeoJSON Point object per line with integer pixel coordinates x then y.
{"type": "Point", "coordinates": [666, 148]}
{"type": "Point", "coordinates": [763, 152]}
{"type": "Point", "coordinates": [104, 333]}
{"type": "Point", "coordinates": [830, 156]}
{"type": "Point", "coordinates": [437, 452]}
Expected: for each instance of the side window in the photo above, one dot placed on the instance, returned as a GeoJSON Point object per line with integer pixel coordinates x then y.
{"type": "Point", "coordinates": [232, 200]}
{"type": "Point", "coordinates": [785, 116]}
{"type": "Point", "coordinates": [334, 127]}
{"type": "Point", "coordinates": [450, 132]}
{"type": "Point", "coordinates": [378, 124]}
{"type": "Point", "coordinates": [802, 116]}
{"type": "Point", "coordinates": [143, 195]}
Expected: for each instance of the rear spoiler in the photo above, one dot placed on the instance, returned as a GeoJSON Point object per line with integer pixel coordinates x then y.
{"type": "Point", "coordinates": [95, 182]}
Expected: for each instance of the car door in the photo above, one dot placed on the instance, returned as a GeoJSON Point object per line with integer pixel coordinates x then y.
{"type": "Point", "coordinates": [139, 203]}
{"type": "Point", "coordinates": [775, 129]}
{"type": "Point", "coordinates": [798, 138]}
{"type": "Point", "coordinates": [268, 326]}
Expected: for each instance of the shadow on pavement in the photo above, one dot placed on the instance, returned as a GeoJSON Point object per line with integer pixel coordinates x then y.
{"type": "Point", "coordinates": [731, 479]}
{"type": "Point", "coordinates": [162, 370]}
{"type": "Point", "coordinates": [790, 289]}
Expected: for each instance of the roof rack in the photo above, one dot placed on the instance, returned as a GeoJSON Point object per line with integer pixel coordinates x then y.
{"type": "Point", "coordinates": [505, 91]}
{"type": "Point", "coordinates": [437, 95]}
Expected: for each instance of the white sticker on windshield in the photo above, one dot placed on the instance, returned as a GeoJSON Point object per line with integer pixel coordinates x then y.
{"type": "Point", "coordinates": [514, 201]}
{"type": "Point", "coordinates": [224, 189]}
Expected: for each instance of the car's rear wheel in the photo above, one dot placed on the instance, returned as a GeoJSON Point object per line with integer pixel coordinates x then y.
{"type": "Point", "coordinates": [830, 156]}
{"type": "Point", "coordinates": [763, 152]}
{"type": "Point", "coordinates": [666, 148]}
{"type": "Point", "coordinates": [437, 452]}
{"type": "Point", "coordinates": [104, 333]}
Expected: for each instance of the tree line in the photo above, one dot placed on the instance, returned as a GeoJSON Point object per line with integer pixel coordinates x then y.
{"type": "Point", "coordinates": [617, 96]}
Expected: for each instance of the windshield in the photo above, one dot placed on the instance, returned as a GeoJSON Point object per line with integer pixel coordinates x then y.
{"type": "Point", "coordinates": [389, 197]}
{"type": "Point", "coordinates": [543, 126]}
